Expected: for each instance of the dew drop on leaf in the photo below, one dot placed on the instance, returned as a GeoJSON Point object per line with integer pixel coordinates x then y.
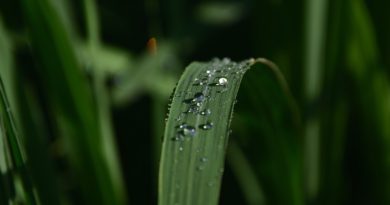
{"type": "Point", "coordinates": [183, 125]}
{"type": "Point", "coordinates": [207, 126]}
{"type": "Point", "coordinates": [203, 159]}
{"type": "Point", "coordinates": [189, 131]}
{"type": "Point", "coordinates": [205, 112]}
{"type": "Point", "coordinates": [222, 81]}
{"type": "Point", "coordinates": [193, 109]}
{"type": "Point", "coordinates": [200, 168]}
{"type": "Point", "coordinates": [198, 97]}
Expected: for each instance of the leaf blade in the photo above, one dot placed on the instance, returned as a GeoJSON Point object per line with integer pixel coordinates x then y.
{"type": "Point", "coordinates": [191, 166]}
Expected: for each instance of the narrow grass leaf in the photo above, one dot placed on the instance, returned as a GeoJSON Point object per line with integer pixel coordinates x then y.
{"type": "Point", "coordinates": [196, 132]}
{"type": "Point", "coordinates": [15, 177]}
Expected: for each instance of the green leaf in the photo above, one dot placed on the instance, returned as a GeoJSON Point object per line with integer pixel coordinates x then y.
{"type": "Point", "coordinates": [197, 130]}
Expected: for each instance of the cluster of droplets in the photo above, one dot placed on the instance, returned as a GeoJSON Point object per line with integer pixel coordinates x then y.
{"type": "Point", "coordinates": [215, 78]}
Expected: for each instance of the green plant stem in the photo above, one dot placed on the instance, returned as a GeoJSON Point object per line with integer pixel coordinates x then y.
{"type": "Point", "coordinates": [315, 35]}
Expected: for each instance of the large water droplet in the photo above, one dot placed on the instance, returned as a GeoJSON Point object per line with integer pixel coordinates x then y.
{"type": "Point", "coordinates": [222, 81]}
{"type": "Point", "coordinates": [206, 126]}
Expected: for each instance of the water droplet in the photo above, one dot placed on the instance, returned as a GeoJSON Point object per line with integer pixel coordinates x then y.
{"type": "Point", "coordinates": [193, 109]}
{"type": "Point", "coordinates": [205, 112]}
{"type": "Point", "coordinates": [181, 148]}
{"type": "Point", "coordinates": [222, 81]}
{"type": "Point", "coordinates": [198, 97]}
{"type": "Point", "coordinates": [225, 60]}
{"type": "Point", "coordinates": [179, 117]}
{"type": "Point", "coordinates": [210, 184]}
{"type": "Point", "coordinates": [200, 168]}
{"type": "Point", "coordinates": [207, 126]}
{"type": "Point", "coordinates": [181, 126]}
{"type": "Point", "coordinates": [198, 81]}
{"type": "Point", "coordinates": [189, 130]}
{"type": "Point", "coordinates": [203, 159]}
{"type": "Point", "coordinates": [178, 137]}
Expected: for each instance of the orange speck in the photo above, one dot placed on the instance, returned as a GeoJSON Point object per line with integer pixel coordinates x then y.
{"type": "Point", "coordinates": [152, 46]}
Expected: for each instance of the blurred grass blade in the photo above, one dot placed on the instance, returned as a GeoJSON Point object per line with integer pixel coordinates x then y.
{"type": "Point", "coordinates": [148, 74]}
{"type": "Point", "coordinates": [15, 178]}
{"type": "Point", "coordinates": [102, 101]}
{"type": "Point", "coordinates": [196, 135]}
{"type": "Point", "coordinates": [71, 103]}
{"type": "Point", "coordinates": [36, 142]}
{"type": "Point", "coordinates": [267, 129]}
{"type": "Point", "coordinates": [369, 139]}
{"type": "Point", "coordinates": [7, 65]}
{"type": "Point", "coordinates": [247, 178]}
{"type": "Point", "coordinates": [314, 56]}
{"type": "Point", "coordinates": [39, 166]}
{"type": "Point", "coordinates": [335, 110]}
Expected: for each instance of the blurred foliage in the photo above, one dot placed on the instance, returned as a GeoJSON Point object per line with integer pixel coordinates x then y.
{"type": "Point", "coordinates": [89, 101]}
